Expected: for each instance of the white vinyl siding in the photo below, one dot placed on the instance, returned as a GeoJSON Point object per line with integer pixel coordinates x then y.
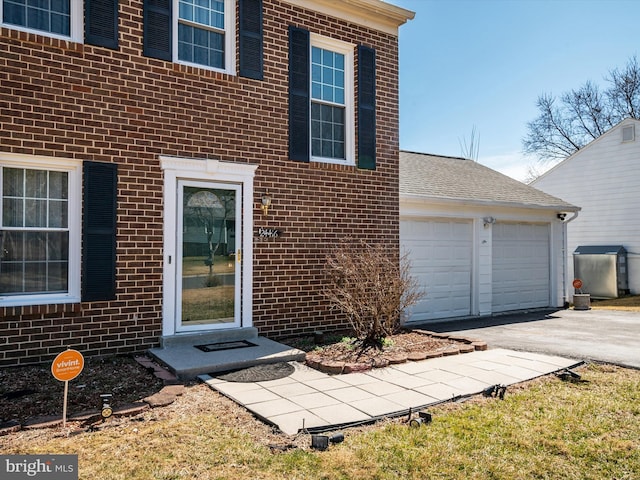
{"type": "Point", "coordinates": [604, 180]}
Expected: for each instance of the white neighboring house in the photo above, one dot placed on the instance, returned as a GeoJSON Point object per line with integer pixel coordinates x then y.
{"type": "Point", "coordinates": [604, 179]}
{"type": "Point", "coordinates": [480, 242]}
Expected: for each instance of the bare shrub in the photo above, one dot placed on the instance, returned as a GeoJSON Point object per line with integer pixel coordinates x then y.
{"type": "Point", "coordinates": [372, 287]}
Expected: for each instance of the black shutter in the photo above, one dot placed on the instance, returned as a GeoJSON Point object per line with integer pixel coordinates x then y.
{"type": "Point", "coordinates": [157, 29]}
{"type": "Point", "coordinates": [299, 95]}
{"type": "Point", "coordinates": [101, 23]}
{"type": "Point", "coordinates": [251, 38]}
{"type": "Point", "coordinates": [99, 232]}
{"type": "Point", "coordinates": [366, 108]}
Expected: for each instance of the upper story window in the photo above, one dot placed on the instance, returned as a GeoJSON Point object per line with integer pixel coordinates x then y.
{"type": "Point", "coordinates": [203, 33]}
{"type": "Point", "coordinates": [331, 101]}
{"type": "Point", "coordinates": [206, 33]}
{"type": "Point", "coordinates": [39, 232]}
{"type": "Point", "coordinates": [324, 113]}
{"type": "Point", "coordinates": [57, 18]}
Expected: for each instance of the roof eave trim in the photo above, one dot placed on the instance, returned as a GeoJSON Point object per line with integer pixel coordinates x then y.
{"type": "Point", "coordinates": [489, 203]}
{"type": "Point", "coordinates": [369, 13]}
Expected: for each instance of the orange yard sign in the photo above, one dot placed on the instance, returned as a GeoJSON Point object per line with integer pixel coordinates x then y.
{"type": "Point", "coordinates": [67, 365]}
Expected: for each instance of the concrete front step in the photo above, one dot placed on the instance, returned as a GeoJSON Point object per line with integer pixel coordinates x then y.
{"type": "Point", "coordinates": [187, 362]}
{"type": "Point", "coordinates": [204, 338]}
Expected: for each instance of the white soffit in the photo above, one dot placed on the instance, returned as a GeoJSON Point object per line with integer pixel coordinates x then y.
{"type": "Point", "coordinates": [374, 14]}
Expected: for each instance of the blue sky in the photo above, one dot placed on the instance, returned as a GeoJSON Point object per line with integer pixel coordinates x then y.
{"type": "Point", "coordinates": [483, 63]}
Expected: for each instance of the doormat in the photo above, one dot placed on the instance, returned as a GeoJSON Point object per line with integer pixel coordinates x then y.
{"type": "Point", "coordinates": [258, 373]}
{"type": "Point", "coordinates": [216, 347]}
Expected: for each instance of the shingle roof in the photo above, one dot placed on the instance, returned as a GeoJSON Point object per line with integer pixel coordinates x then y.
{"type": "Point", "coordinates": [459, 179]}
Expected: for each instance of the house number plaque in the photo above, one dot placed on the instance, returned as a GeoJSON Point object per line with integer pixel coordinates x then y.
{"type": "Point", "coordinates": [268, 232]}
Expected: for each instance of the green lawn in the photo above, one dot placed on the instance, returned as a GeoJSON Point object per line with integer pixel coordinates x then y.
{"type": "Point", "coordinates": [548, 429]}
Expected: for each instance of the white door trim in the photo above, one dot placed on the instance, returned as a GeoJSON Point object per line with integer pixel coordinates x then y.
{"type": "Point", "coordinates": [177, 168]}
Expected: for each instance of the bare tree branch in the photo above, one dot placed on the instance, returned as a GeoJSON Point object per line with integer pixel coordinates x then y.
{"type": "Point", "coordinates": [581, 115]}
{"type": "Point", "coordinates": [624, 94]}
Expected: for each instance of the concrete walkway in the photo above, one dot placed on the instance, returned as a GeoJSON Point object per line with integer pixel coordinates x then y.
{"type": "Point", "coordinates": [314, 401]}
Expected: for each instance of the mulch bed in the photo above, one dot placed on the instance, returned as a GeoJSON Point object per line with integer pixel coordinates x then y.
{"type": "Point", "coordinates": [342, 357]}
{"type": "Point", "coordinates": [30, 392]}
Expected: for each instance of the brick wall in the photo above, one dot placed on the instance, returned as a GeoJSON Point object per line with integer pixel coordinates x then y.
{"type": "Point", "coordinates": [70, 100]}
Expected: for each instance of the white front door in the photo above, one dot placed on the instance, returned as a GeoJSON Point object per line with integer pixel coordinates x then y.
{"type": "Point", "coordinates": [208, 245]}
{"type": "Point", "coordinates": [208, 255]}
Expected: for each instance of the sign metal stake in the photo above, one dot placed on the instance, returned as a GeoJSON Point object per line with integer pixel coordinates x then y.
{"type": "Point", "coordinates": [67, 366]}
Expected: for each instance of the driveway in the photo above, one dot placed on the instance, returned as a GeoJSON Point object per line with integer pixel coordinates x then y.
{"type": "Point", "coordinates": [598, 335]}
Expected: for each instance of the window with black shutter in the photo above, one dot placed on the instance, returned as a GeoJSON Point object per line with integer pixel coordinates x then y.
{"type": "Point", "coordinates": [322, 106]}
{"type": "Point", "coordinates": [157, 23]}
{"type": "Point", "coordinates": [203, 34]}
{"type": "Point", "coordinates": [101, 23]}
{"type": "Point", "coordinates": [99, 231]}
{"type": "Point", "coordinates": [251, 49]}
{"type": "Point", "coordinates": [299, 116]}
{"type": "Point", "coordinates": [366, 108]}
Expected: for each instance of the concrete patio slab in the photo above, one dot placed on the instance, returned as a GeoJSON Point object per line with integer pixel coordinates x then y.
{"type": "Point", "coordinates": [382, 388]}
{"type": "Point", "coordinates": [436, 376]}
{"type": "Point", "coordinates": [410, 399]}
{"type": "Point", "coordinates": [326, 383]}
{"type": "Point", "coordinates": [378, 406]}
{"type": "Point", "coordinates": [442, 391]}
{"type": "Point", "coordinates": [339, 416]}
{"type": "Point", "coordinates": [186, 361]}
{"type": "Point", "coordinates": [316, 401]}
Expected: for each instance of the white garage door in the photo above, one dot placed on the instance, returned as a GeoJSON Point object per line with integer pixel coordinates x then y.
{"type": "Point", "coordinates": [440, 252]}
{"type": "Point", "coordinates": [520, 266]}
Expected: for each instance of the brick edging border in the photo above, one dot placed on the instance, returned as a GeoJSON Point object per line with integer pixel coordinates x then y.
{"type": "Point", "coordinates": [332, 367]}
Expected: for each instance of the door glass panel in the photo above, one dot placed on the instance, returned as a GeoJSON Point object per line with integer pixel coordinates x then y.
{"type": "Point", "coordinates": [208, 293]}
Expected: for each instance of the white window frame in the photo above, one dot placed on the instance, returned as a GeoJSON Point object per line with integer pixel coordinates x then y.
{"type": "Point", "coordinates": [74, 170]}
{"type": "Point", "coordinates": [346, 49]}
{"type": "Point", "coordinates": [229, 38]}
{"type": "Point", "coordinates": [76, 24]}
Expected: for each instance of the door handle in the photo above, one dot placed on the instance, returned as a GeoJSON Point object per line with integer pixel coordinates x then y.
{"type": "Point", "coordinates": [239, 256]}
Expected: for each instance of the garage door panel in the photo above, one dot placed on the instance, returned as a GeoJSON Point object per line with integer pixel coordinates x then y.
{"type": "Point", "coordinates": [440, 252]}
{"type": "Point", "coordinates": [521, 275]}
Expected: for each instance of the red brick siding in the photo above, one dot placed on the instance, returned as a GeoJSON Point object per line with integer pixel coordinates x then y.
{"type": "Point", "coordinates": [71, 100]}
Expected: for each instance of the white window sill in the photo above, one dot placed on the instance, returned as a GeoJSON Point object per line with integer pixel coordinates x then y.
{"type": "Point", "coordinates": [33, 300]}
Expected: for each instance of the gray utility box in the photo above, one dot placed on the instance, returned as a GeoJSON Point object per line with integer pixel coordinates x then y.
{"type": "Point", "coordinates": [602, 269]}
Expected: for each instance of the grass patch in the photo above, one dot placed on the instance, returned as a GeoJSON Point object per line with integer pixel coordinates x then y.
{"type": "Point", "coordinates": [547, 429]}
{"type": "Point", "coordinates": [629, 303]}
